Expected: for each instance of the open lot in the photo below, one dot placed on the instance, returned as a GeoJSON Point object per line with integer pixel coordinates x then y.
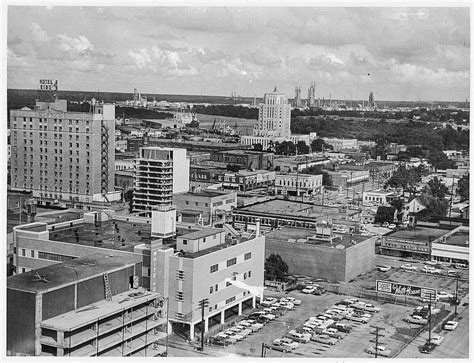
{"type": "Point", "coordinates": [353, 345]}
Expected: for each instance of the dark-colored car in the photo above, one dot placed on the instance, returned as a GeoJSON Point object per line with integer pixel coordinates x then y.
{"type": "Point", "coordinates": [428, 348]}
{"type": "Point", "coordinates": [343, 328]}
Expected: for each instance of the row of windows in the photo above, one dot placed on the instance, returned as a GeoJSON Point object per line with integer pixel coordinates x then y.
{"type": "Point", "coordinates": [45, 255]}
{"type": "Point", "coordinates": [227, 284]}
{"type": "Point", "coordinates": [231, 262]}
{"type": "Point", "coordinates": [40, 119]}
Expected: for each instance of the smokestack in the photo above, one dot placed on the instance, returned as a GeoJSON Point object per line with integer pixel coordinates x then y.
{"type": "Point", "coordinates": [257, 227]}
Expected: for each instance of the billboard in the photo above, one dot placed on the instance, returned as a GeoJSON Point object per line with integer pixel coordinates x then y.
{"type": "Point", "coordinates": [48, 85]}
{"type": "Point", "coordinates": [396, 288]}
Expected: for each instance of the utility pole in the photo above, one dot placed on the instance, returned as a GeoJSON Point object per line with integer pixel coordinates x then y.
{"type": "Point", "coordinates": [429, 317]}
{"type": "Point", "coordinates": [451, 202]}
{"type": "Point", "coordinates": [202, 304]}
{"type": "Point", "coordinates": [264, 350]}
{"type": "Point", "coordinates": [456, 296]}
{"type": "Point", "coordinates": [377, 335]}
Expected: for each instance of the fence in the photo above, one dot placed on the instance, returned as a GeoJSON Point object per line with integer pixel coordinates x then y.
{"type": "Point", "coordinates": [362, 293]}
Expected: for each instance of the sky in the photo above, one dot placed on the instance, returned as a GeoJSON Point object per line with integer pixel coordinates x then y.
{"type": "Point", "coordinates": [410, 54]}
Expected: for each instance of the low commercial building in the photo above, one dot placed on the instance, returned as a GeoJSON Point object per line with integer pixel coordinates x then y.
{"type": "Point", "coordinates": [298, 184]}
{"type": "Point", "coordinates": [378, 197]}
{"type": "Point", "coordinates": [206, 207]}
{"type": "Point", "coordinates": [340, 144]}
{"type": "Point", "coordinates": [321, 254]}
{"type": "Point", "coordinates": [246, 159]}
{"type": "Point", "coordinates": [347, 178]}
{"type": "Point", "coordinates": [415, 241]}
{"type": "Point", "coordinates": [275, 213]}
{"type": "Point", "coordinates": [299, 163]}
{"type": "Point", "coordinates": [124, 180]}
{"type": "Point", "coordinates": [242, 180]}
{"type": "Point", "coordinates": [92, 306]}
{"type": "Point", "coordinates": [453, 247]}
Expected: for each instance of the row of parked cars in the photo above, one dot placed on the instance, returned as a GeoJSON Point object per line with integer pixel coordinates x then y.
{"type": "Point", "coordinates": [436, 340]}
{"type": "Point", "coordinates": [421, 314]}
{"type": "Point", "coordinates": [271, 309]}
{"type": "Point", "coordinates": [326, 328]}
{"type": "Point", "coordinates": [314, 289]}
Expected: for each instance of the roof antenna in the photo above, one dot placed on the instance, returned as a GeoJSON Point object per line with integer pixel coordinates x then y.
{"type": "Point", "coordinates": [39, 277]}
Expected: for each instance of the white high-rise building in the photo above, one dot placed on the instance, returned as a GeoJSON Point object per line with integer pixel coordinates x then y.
{"type": "Point", "coordinates": [274, 116]}
{"type": "Point", "coordinates": [159, 173]}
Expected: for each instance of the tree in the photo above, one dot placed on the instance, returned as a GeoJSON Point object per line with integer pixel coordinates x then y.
{"type": "Point", "coordinates": [463, 187]}
{"type": "Point", "coordinates": [439, 160]}
{"type": "Point", "coordinates": [285, 148]}
{"type": "Point", "coordinates": [233, 167]}
{"type": "Point", "coordinates": [258, 147]}
{"type": "Point", "coordinates": [318, 170]}
{"type": "Point", "coordinates": [405, 178]}
{"type": "Point", "coordinates": [397, 203]}
{"type": "Point", "coordinates": [318, 145]}
{"type": "Point", "coordinates": [434, 206]}
{"type": "Point", "coordinates": [302, 147]}
{"type": "Point", "coordinates": [437, 189]}
{"type": "Point", "coordinates": [275, 268]}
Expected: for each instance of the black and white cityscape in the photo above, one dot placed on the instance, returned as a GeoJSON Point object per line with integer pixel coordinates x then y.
{"type": "Point", "coordinates": [240, 181]}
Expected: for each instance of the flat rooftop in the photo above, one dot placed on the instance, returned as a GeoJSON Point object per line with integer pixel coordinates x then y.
{"type": "Point", "coordinates": [459, 238]}
{"type": "Point", "coordinates": [207, 193]}
{"type": "Point", "coordinates": [418, 233]}
{"type": "Point", "coordinates": [114, 234]}
{"type": "Point", "coordinates": [292, 208]}
{"type": "Point", "coordinates": [293, 234]}
{"type": "Point", "coordinates": [195, 234]}
{"type": "Point", "coordinates": [228, 243]}
{"type": "Point", "coordinates": [66, 273]}
{"type": "Point", "coordinates": [99, 310]}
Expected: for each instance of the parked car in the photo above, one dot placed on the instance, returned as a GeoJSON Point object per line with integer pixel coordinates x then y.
{"type": "Point", "coordinates": [269, 301]}
{"type": "Point", "coordinates": [295, 302]}
{"type": "Point", "coordinates": [408, 267]}
{"type": "Point", "coordinates": [308, 290]}
{"type": "Point", "coordinates": [371, 308]}
{"type": "Point", "coordinates": [286, 342]}
{"type": "Point", "coordinates": [333, 333]}
{"type": "Point", "coordinates": [450, 325]}
{"type": "Point", "coordinates": [461, 266]}
{"type": "Point", "coordinates": [443, 295]}
{"type": "Point", "coordinates": [269, 316]}
{"type": "Point", "coordinates": [359, 318]}
{"type": "Point", "coordinates": [416, 319]}
{"type": "Point", "coordinates": [381, 350]}
{"type": "Point", "coordinates": [256, 326]}
{"type": "Point", "coordinates": [437, 339]}
{"type": "Point", "coordinates": [323, 338]}
{"type": "Point", "coordinates": [299, 337]}
{"type": "Point", "coordinates": [384, 268]}
{"type": "Point", "coordinates": [392, 226]}
{"type": "Point", "coordinates": [342, 328]}
{"type": "Point", "coordinates": [428, 348]}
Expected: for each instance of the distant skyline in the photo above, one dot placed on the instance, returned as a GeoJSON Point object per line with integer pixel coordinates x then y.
{"type": "Point", "coordinates": [405, 54]}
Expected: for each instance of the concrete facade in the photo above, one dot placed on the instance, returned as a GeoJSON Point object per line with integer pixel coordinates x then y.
{"type": "Point", "coordinates": [247, 159]}
{"type": "Point", "coordinates": [298, 184]}
{"type": "Point", "coordinates": [63, 157]}
{"type": "Point", "coordinates": [274, 116]}
{"type": "Point", "coordinates": [159, 173]}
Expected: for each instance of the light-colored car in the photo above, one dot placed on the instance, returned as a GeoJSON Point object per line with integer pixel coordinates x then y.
{"type": "Point", "coordinates": [288, 305]}
{"type": "Point", "coordinates": [269, 301]}
{"type": "Point", "coordinates": [371, 308]}
{"type": "Point", "coordinates": [392, 226]}
{"type": "Point", "coordinates": [333, 333]}
{"type": "Point", "coordinates": [308, 290]}
{"type": "Point", "coordinates": [359, 318]}
{"type": "Point", "coordinates": [443, 295]}
{"type": "Point", "coordinates": [415, 319]}
{"type": "Point", "coordinates": [408, 266]}
{"type": "Point", "coordinates": [384, 268]}
{"type": "Point", "coordinates": [256, 326]}
{"type": "Point", "coordinates": [450, 325]}
{"type": "Point", "coordinates": [438, 339]}
{"type": "Point", "coordinates": [381, 350]}
{"type": "Point", "coordinates": [269, 316]}
{"type": "Point", "coordinates": [323, 338]}
{"type": "Point", "coordinates": [293, 300]}
{"type": "Point", "coordinates": [245, 332]}
{"type": "Point", "coordinates": [285, 342]}
{"type": "Point", "coordinates": [299, 337]}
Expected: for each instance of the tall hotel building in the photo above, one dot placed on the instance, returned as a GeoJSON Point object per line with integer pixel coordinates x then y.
{"type": "Point", "coordinates": [274, 116]}
{"type": "Point", "coordinates": [159, 173]}
{"type": "Point", "coordinates": [63, 157]}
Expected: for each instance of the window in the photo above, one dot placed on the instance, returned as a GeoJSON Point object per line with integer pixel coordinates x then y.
{"type": "Point", "coordinates": [250, 274]}
{"type": "Point", "coordinates": [196, 204]}
{"type": "Point", "coordinates": [185, 241]}
{"type": "Point", "coordinates": [245, 275]}
{"type": "Point", "coordinates": [227, 284]}
{"type": "Point", "coordinates": [54, 257]}
{"type": "Point", "coordinates": [23, 252]}
{"type": "Point", "coordinates": [217, 287]}
{"type": "Point", "coordinates": [32, 253]}
{"type": "Point", "coordinates": [229, 300]}
{"type": "Point", "coordinates": [231, 262]}
{"type": "Point", "coordinates": [214, 268]}
{"type": "Point", "coordinates": [211, 289]}
{"type": "Point", "coordinates": [248, 256]}
{"type": "Point", "coordinates": [180, 274]}
{"type": "Point", "coordinates": [179, 295]}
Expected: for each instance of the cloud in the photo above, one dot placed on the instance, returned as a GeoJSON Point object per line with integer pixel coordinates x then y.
{"type": "Point", "coordinates": [140, 57]}
{"type": "Point", "coordinates": [80, 45]}
{"type": "Point", "coordinates": [38, 33]}
{"type": "Point", "coordinates": [15, 60]}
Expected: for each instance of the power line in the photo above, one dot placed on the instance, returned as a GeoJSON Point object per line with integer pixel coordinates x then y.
{"type": "Point", "coordinates": [377, 335]}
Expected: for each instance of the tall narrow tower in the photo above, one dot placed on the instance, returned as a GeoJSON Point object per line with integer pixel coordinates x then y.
{"type": "Point", "coordinates": [311, 94]}
{"type": "Point", "coordinates": [274, 116]}
{"type": "Point", "coordinates": [297, 96]}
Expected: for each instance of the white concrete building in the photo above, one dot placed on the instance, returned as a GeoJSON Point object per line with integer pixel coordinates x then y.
{"type": "Point", "coordinates": [298, 184]}
{"type": "Point", "coordinates": [377, 197]}
{"type": "Point", "coordinates": [341, 144]}
{"type": "Point", "coordinates": [159, 173]}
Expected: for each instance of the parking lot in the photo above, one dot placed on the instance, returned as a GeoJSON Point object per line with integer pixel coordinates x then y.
{"type": "Point", "coordinates": [390, 318]}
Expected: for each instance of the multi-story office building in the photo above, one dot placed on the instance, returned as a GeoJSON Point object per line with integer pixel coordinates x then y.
{"type": "Point", "coordinates": [274, 116]}
{"type": "Point", "coordinates": [341, 144]}
{"type": "Point", "coordinates": [159, 173]}
{"type": "Point", "coordinates": [226, 273]}
{"type": "Point", "coordinates": [63, 157]}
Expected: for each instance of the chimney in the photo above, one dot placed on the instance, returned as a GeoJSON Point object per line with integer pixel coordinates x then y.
{"type": "Point", "coordinates": [257, 227]}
